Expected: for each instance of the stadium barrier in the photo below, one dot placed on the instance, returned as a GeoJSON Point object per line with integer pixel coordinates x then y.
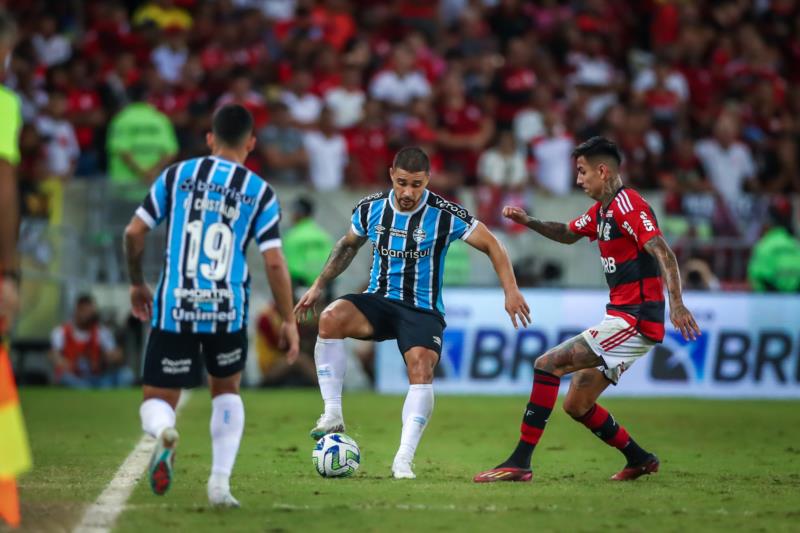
{"type": "Point", "coordinates": [750, 347]}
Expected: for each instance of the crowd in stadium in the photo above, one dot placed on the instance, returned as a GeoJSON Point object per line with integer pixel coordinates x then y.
{"type": "Point", "coordinates": [699, 95]}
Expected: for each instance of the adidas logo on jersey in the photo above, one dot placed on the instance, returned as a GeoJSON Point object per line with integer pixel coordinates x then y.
{"type": "Point", "coordinates": [437, 340]}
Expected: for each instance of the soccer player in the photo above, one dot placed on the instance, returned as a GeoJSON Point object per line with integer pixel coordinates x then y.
{"type": "Point", "coordinates": [213, 207]}
{"type": "Point", "coordinates": [634, 256]}
{"type": "Point", "coordinates": [411, 229]}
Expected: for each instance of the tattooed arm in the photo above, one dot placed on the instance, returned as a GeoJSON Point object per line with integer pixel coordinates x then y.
{"type": "Point", "coordinates": [679, 315]}
{"type": "Point", "coordinates": [340, 258]}
{"type": "Point", "coordinates": [555, 231]}
{"type": "Point", "coordinates": [141, 295]}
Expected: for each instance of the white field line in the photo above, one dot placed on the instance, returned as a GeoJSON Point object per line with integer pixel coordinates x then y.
{"type": "Point", "coordinates": [101, 515]}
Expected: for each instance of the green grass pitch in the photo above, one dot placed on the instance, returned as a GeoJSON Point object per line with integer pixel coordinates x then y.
{"type": "Point", "coordinates": [726, 466]}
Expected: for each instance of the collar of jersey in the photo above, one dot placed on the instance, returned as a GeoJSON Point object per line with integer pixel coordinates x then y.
{"type": "Point", "coordinates": [422, 202]}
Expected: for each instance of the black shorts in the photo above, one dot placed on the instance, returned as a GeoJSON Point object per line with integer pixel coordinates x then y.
{"type": "Point", "coordinates": [176, 360]}
{"type": "Point", "coordinates": [391, 319]}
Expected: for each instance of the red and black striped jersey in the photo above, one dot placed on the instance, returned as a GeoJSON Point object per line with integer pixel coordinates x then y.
{"type": "Point", "coordinates": [632, 274]}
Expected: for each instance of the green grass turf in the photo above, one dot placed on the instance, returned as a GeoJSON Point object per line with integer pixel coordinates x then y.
{"type": "Point", "coordinates": [725, 466]}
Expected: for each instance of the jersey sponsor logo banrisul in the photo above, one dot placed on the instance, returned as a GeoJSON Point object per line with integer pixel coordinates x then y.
{"type": "Point", "coordinates": [198, 315]}
{"type": "Point", "coordinates": [189, 185]}
{"type": "Point", "coordinates": [402, 254]}
{"type": "Point", "coordinates": [453, 208]}
{"type": "Point", "coordinates": [202, 295]}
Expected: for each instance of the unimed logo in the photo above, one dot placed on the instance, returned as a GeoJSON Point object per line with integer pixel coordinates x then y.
{"type": "Point", "coordinates": [728, 356]}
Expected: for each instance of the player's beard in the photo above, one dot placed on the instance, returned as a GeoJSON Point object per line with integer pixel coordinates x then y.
{"type": "Point", "coordinates": [407, 204]}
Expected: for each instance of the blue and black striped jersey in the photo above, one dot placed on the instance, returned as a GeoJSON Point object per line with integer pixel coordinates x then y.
{"type": "Point", "coordinates": [409, 247]}
{"type": "Point", "coordinates": [213, 208]}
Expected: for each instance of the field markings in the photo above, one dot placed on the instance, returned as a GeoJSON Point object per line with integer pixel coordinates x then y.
{"type": "Point", "coordinates": [101, 515]}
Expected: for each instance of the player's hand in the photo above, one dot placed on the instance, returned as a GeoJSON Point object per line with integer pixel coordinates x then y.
{"type": "Point", "coordinates": [684, 322]}
{"type": "Point", "coordinates": [307, 304]}
{"type": "Point", "coordinates": [142, 302]}
{"type": "Point", "coordinates": [9, 302]}
{"type": "Point", "coordinates": [517, 308]}
{"type": "Point", "coordinates": [517, 214]}
{"type": "Point", "coordinates": [290, 340]}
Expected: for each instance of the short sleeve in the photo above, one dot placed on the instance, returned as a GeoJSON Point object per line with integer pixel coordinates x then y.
{"type": "Point", "coordinates": [267, 222]}
{"type": "Point", "coordinates": [635, 218]}
{"type": "Point", "coordinates": [463, 222]}
{"type": "Point", "coordinates": [358, 221]}
{"type": "Point", "coordinates": [154, 206]}
{"type": "Point", "coordinates": [586, 224]}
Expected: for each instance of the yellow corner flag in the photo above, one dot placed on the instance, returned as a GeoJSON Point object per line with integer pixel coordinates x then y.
{"type": "Point", "coordinates": [15, 456]}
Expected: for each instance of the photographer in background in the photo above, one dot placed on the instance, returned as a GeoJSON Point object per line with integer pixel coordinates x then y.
{"type": "Point", "coordinates": [85, 354]}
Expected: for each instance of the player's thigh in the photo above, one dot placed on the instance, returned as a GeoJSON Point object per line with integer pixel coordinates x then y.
{"type": "Point", "coordinates": [171, 361]}
{"type": "Point", "coordinates": [419, 338]}
{"type": "Point", "coordinates": [353, 315]}
{"type": "Point", "coordinates": [225, 356]}
{"type": "Point", "coordinates": [586, 386]}
{"type": "Point", "coordinates": [570, 356]}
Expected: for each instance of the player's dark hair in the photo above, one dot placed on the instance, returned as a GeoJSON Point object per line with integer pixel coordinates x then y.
{"type": "Point", "coordinates": [232, 124]}
{"type": "Point", "coordinates": [598, 147]}
{"type": "Point", "coordinates": [304, 206]}
{"type": "Point", "coordinates": [412, 159]}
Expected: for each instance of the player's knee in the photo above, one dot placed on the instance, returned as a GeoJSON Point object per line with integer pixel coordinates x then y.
{"type": "Point", "coordinates": [544, 363]}
{"type": "Point", "coordinates": [329, 323]}
{"type": "Point", "coordinates": [420, 367]}
{"type": "Point", "coordinates": [575, 407]}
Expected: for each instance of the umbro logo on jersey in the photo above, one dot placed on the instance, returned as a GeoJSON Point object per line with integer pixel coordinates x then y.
{"type": "Point", "coordinates": [419, 235]}
{"type": "Point", "coordinates": [437, 340]}
{"type": "Point", "coordinates": [379, 229]}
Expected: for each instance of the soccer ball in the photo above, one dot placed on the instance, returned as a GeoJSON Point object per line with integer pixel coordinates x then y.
{"type": "Point", "coordinates": [336, 455]}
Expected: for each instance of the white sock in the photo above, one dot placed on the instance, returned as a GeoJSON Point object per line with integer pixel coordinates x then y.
{"type": "Point", "coordinates": [156, 415]}
{"type": "Point", "coordinates": [417, 411]}
{"type": "Point", "coordinates": [227, 425]}
{"type": "Point", "coordinates": [331, 361]}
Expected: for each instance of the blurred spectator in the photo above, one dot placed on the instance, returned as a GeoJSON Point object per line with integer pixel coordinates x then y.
{"type": "Point", "coordinates": [306, 244]}
{"type": "Point", "coordinates": [164, 14]}
{"type": "Point", "coordinates": [775, 262]}
{"type": "Point", "coordinates": [141, 142]}
{"type": "Point", "coordinates": [464, 128]}
{"type": "Point", "coordinates": [502, 172]}
{"type": "Point", "coordinates": [51, 47]}
{"type": "Point", "coordinates": [347, 100]}
{"type": "Point", "coordinates": [327, 154]}
{"type": "Point", "coordinates": [170, 56]}
{"type": "Point", "coordinates": [58, 134]}
{"type": "Point", "coordinates": [529, 121]}
{"type": "Point", "coordinates": [275, 370]}
{"type": "Point", "coordinates": [85, 111]}
{"type": "Point", "coordinates": [368, 148]}
{"type": "Point", "coordinates": [281, 145]}
{"type": "Point", "coordinates": [399, 84]}
{"type": "Point", "coordinates": [304, 106]}
{"type": "Point", "coordinates": [727, 161]}
{"type": "Point", "coordinates": [512, 83]}
{"type": "Point", "coordinates": [552, 157]}
{"type": "Point", "coordinates": [84, 352]}
{"type": "Point", "coordinates": [697, 276]}
{"type": "Point", "coordinates": [241, 92]}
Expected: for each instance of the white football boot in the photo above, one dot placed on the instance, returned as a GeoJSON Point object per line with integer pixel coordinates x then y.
{"type": "Point", "coordinates": [327, 424]}
{"type": "Point", "coordinates": [401, 468]}
{"type": "Point", "coordinates": [219, 492]}
{"type": "Point", "coordinates": [162, 461]}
